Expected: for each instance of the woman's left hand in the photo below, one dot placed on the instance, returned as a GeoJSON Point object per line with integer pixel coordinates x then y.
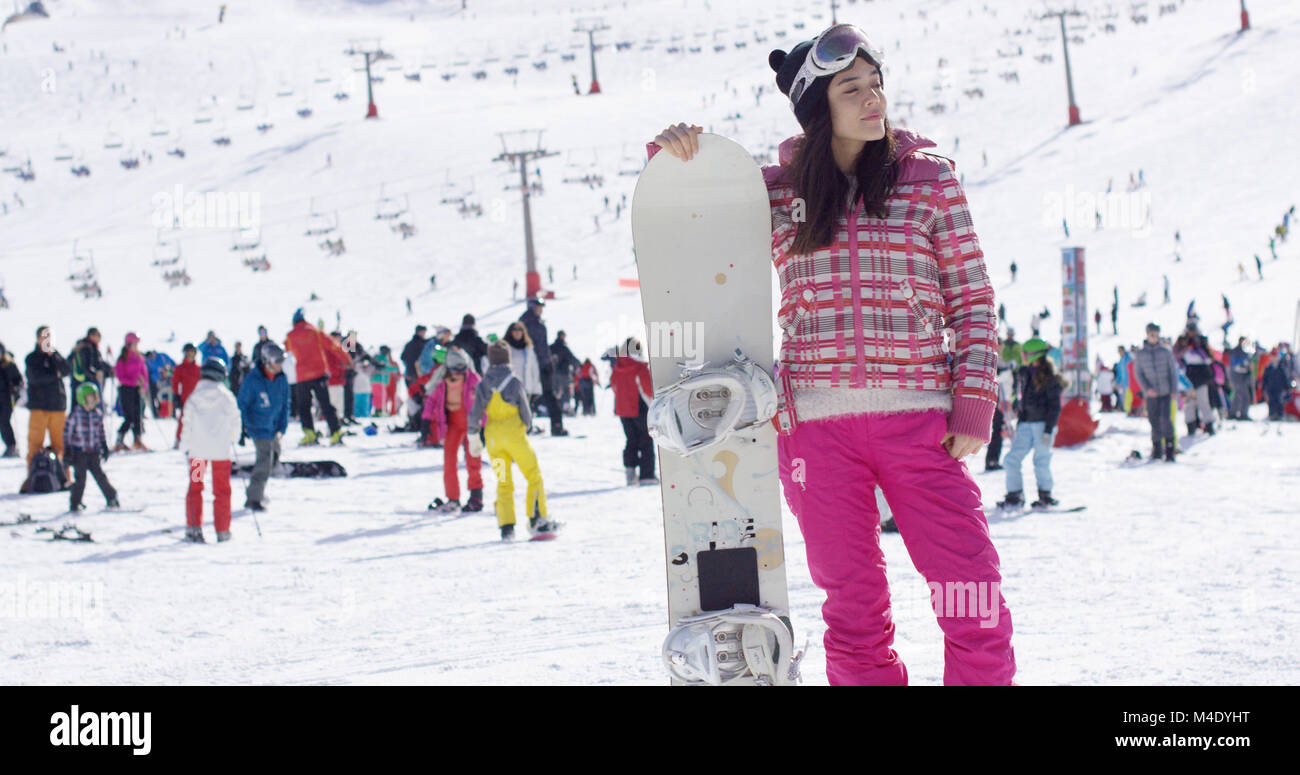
{"type": "Point", "coordinates": [960, 446]}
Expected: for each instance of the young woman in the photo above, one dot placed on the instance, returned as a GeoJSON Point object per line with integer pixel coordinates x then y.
{"type": "Point", "coordinates": [1038, 407]}
{"type": "Point", "coordinates": [523, 362]}
{"type": "Point", "coordinates": [889, 361]}
{"type": "Point", "coordinates": [133, 379]}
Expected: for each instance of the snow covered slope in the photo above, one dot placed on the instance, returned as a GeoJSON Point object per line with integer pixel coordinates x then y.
{"type": "Point", "coordinates": [1173, 574]}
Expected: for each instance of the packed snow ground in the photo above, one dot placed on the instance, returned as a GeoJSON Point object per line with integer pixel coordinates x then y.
{"type": "Point", "coordinates": [1183, 573]}
{"type": "Point", "coordinates": [1179, 573]}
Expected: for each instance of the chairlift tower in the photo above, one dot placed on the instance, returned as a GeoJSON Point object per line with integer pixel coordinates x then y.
{"type": "Point", "coordinates": [1069, 78]}
{"type": "Point", "coordinates": [519, 148]}
{"type": "Point", "coordinates": [372, 53]}
{"type": "Point", "coordinates": [591, 27]}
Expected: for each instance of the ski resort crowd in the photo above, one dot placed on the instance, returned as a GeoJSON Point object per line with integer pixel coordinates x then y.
{"type": "Point", "coordinates": [460, 393]}
{"type": "Point", "coordinates": [1155, 380]}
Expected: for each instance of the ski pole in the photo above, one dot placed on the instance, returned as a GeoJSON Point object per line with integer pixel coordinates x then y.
{"type": "Point", "coordinates": [234, 460]}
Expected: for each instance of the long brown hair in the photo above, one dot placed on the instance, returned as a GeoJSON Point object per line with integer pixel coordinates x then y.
{"type": "Point", "coordinates": [527, 341]}
{"type": "Point", "coordinates": [1045, 373]}
{"type": "Point", "coordinates": [824, 189]}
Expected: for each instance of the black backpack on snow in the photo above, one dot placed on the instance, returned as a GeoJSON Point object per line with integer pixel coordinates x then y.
{"type": "Point", "coordinates": [45, 474]}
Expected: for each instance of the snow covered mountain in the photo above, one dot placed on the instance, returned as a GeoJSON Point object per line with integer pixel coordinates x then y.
{"type": "Point", "coordinates": [343, 587]}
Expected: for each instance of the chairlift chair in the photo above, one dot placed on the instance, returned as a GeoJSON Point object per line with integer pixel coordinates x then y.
{"type": "Point", "coordinates": [81, 267]}
{"type": "Point", "coordinates": [246, 239]}
{"type": "Point", "coordinates": [166, 252]}
{"type": "Point", "coordinates": [319, 223]}
{"type": "Point", "coordinates": [390, 208]}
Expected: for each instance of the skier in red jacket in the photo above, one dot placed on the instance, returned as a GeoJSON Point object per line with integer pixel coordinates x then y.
{"type": "Point", "coordinates": [632, 393]}
{"type": "Point", "coordinates": [313, 352]}
{"type": "Point", "coordinates": [184, 378]}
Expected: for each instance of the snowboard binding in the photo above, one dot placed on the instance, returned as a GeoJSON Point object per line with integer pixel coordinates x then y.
{"type": "Point", "coordinates": [727, 647]}
{"type": "Point", "coordinates": [703, 407]}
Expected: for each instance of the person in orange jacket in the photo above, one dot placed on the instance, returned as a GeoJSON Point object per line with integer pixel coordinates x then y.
{"type": "Point", "coordinates": [184, 379]}
{"type": "Point", "coordinates": [314, 353]}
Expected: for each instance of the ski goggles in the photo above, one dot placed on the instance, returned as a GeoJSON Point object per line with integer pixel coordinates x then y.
{"type": "Point", "coordinates": [832, 51]}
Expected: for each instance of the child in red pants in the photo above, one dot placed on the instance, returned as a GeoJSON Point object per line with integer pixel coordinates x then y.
{"type": "Point", "coordinates": [211, 428]}
{"type": "Point", "coordinates": [447, 410]}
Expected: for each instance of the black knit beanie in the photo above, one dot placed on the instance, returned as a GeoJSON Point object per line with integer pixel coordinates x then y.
{"type": "Point", "coordinates": [786, 66]}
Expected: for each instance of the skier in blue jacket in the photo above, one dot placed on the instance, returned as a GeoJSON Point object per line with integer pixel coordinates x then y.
{"type": "Point", "coordinates": [211, 347]}
{"type": "Point", "coordinates": [264, 405]}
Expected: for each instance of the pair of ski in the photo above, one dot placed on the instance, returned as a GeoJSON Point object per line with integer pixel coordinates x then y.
{"type": "Point", "coordinates": [69, 532]}
{"type": "Point", "coordinates": [1001, 510]}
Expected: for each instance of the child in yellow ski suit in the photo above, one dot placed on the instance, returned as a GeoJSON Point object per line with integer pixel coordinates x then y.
{"type": "Point", "coordinates": [500, 408]}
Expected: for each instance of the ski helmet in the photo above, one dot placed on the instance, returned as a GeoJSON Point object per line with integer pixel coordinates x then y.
{"type": "Point", "coordinates": [456, 359]}
{"type": "Point", "coordinates": [1034, 346]}
{"type": "Point", "coordinates": [213, 369]}
{"type": "Point", "coordinates": [85, 390]}
{"type": "Point", "coordinates": [272, 354]}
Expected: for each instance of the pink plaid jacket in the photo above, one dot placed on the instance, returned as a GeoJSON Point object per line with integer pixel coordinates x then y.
{"type": "Point", "coordinates": [923, 318]}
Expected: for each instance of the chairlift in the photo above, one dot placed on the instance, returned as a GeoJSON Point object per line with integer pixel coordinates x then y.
{"type": "Point", "coordinates": [285, 90]}
{"type": "Point", "coordinates": [450, 194]}
{"type": "Point", "coordinates": [221, 139]}
{"type": "Point", "coordinates": [321, 223]}
{"type": "Point", "coordinates": [203, 115]}
{"type": "Point", "coordinates": [322, 76]}
{"type": "Point", "coordinates": [389, 208]}
{"type": "Point", "coordinates": [245, 101]}
{"type": "Point", "coordinates": [80, 171]}
{"type": "Point", "coordinates": [405, 229]}
{"type": "Point", "coordinates": [585, 176]}
{"type": "Point", "coordinates": [413, 76]}
{"type": "Point", "coordinates": [113, 140]}
{"type": "Point", "coordinates": [167, 250]}
{"type": "Point", "coordinates": [159, 129]}
{"type": "Point", "coordinates": [81, 267]}
{"type": "Point", "coordinates": [62, 151]}
{"type": "Point", "coordinates": [304, 109]}
{"type": "Point", "coordinates": [246, 239]}
{"type": "Point", "coordinates": [630, 166]}
{"type": "Point", "coordinates": [256, 262]}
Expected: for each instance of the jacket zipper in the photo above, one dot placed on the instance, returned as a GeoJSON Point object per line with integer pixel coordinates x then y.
{"type": "Point", "coordinates": [859, 376]}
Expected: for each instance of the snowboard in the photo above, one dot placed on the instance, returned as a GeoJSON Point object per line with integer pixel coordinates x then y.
{"type": "Point", "coordinates": [314, 469]}
{"type": "Point", "coordinates": [702, 236]}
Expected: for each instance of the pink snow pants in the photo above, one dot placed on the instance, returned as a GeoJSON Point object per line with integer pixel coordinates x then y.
{"type": "Point", "coordinates": [829, 469]}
